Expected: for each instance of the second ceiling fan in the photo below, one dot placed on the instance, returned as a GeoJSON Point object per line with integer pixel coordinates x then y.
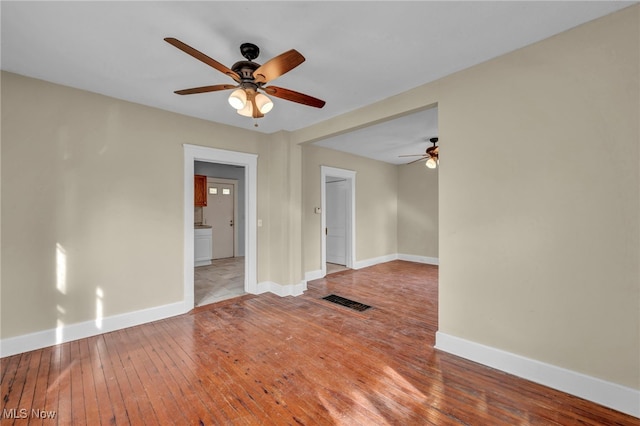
{"type": "Point", "coordinates": [251, 77]}
{"type": "Point", "coordinates": [431, 154]}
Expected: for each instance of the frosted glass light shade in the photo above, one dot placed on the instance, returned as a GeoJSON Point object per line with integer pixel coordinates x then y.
{"type": "Point", "coordinates": [431, 163]}
{"type": "Point", "coordinates": [263, 103]}
{"type": "Point", "coordinates": [238, 99]}
{"type": "Point", "coordinates": [247, 111]}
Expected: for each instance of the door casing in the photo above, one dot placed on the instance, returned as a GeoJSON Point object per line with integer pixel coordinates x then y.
{"type": "Point", "coordinates": [193, 153]}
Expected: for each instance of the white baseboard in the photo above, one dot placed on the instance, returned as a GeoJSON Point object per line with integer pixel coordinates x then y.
{"type": "Point", "coordinates": [282, 290]}
{"type": "Point", "coordinates": [419, 259]}
{"type": "Point", "coordinates": [395, 256]}
{"type": "Point", "coordinates": [263, 287]}
{"type": "Point", "coordinates": [313, 275]}
{"type": "Point", "coordinates": [374, 261]}
{"type": "Point", "coordinates": [70, 332]}
{"type": "Point", "coordinates": [626, 400]}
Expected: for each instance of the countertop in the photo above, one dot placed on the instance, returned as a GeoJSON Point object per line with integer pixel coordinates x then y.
{"type": "Point", "coordinates": [202, 226]}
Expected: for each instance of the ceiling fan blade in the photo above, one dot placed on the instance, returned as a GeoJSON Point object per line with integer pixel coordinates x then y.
{"type": "Point", "coordinates": [419, 159]}
{"type": "Point", "coordinates": [277, 66]}
{"type": "Point", "coordinates": [413, 155]}
{"type": "Point", "coordinates": [205, 89]}
{"type": "Point", "coordinates": [290, 95]}
{"type": "Point", "coordinates": [202, 57]}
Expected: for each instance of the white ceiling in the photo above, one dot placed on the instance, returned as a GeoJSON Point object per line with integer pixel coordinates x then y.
{"type": "Point", "coordinates": [356, 53]}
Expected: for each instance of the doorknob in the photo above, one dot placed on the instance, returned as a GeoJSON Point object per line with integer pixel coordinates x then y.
{"type": "Point", "coordinates": [231, 222]}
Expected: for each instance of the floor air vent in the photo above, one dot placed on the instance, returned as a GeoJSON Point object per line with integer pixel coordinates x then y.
{"type": "Point", "coordinates": [346, 302]}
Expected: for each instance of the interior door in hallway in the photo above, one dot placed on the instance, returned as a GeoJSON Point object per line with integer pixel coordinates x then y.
{"type": "Point", "coordinates": [336, 195]}
{"type": "Point", "coordinates": [219, 213]}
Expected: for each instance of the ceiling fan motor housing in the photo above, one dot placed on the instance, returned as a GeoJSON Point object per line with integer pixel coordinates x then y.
{"type": "Point", "coordinates": [433, 150]}
{"type": "Point", "coordinates": [245, 70]}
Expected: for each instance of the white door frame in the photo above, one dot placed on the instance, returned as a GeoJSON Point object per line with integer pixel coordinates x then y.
{"type": "Point", "coordinates": [234, 183]}
{"type": "Point", "coordinates": [193, 153]}
{"type": "Point", "coordinates": [350, 177]}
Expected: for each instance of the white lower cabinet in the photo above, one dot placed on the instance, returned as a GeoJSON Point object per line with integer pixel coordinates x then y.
{"type": "Point", "coordinates": [203, 247]}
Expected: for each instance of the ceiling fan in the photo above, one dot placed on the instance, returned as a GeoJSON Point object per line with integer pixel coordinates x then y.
{"type": "Point", "coordinates": [431, 154]}
{"type": "Point", "coordinates": [251, 78]}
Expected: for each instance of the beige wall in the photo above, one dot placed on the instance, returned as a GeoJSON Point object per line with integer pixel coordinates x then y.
{"type": "Point", "coordinates": [376, 204]}
{"type": "Point", "coordinates": [92, 201]}
{"type": "Point", "coordinates": [539, 225]}
{"type": "Point", "coordinates": [418, 210]}
{"type": "Point", "coordinates": [283, 220]}
{"type": "Point", "coordinates": [539, 234]}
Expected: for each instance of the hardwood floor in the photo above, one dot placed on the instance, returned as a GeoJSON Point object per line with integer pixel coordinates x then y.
{"type": "Point", "coordinates": [267, 360]}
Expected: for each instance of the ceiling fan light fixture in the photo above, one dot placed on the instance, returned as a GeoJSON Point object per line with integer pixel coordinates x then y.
{"type": "Point", "coordinates": [263, 103]}
{"type": "Point", "coordinates": [431, 163]}
{"type": "Point", "coordinates": [247, 111]}
{"type": "Point", "coordinates": [238, 99]}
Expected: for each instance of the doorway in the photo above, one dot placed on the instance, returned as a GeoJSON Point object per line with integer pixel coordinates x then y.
{"type": "Point", "coordinates": [223, 277]}
{"type": "Point", "coordinates": [336, 230]}
{"type": "Point", "coordinates": [247, 228]}
{"type": "Point", "coordinates": [338, 219]}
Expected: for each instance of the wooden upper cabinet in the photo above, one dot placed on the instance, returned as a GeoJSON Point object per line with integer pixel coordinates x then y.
{"type": "Point", "coordinates": [200, 190]}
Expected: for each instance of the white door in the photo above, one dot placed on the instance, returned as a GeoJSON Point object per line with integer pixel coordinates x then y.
{"type": "Point", "coordinates": [219, 213]}
{"type": "Point", "coordinates": [336, 205]}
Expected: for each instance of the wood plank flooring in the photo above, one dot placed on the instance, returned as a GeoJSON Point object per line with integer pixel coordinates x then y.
{"type": "Point", "coordinates": [267, 360]}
